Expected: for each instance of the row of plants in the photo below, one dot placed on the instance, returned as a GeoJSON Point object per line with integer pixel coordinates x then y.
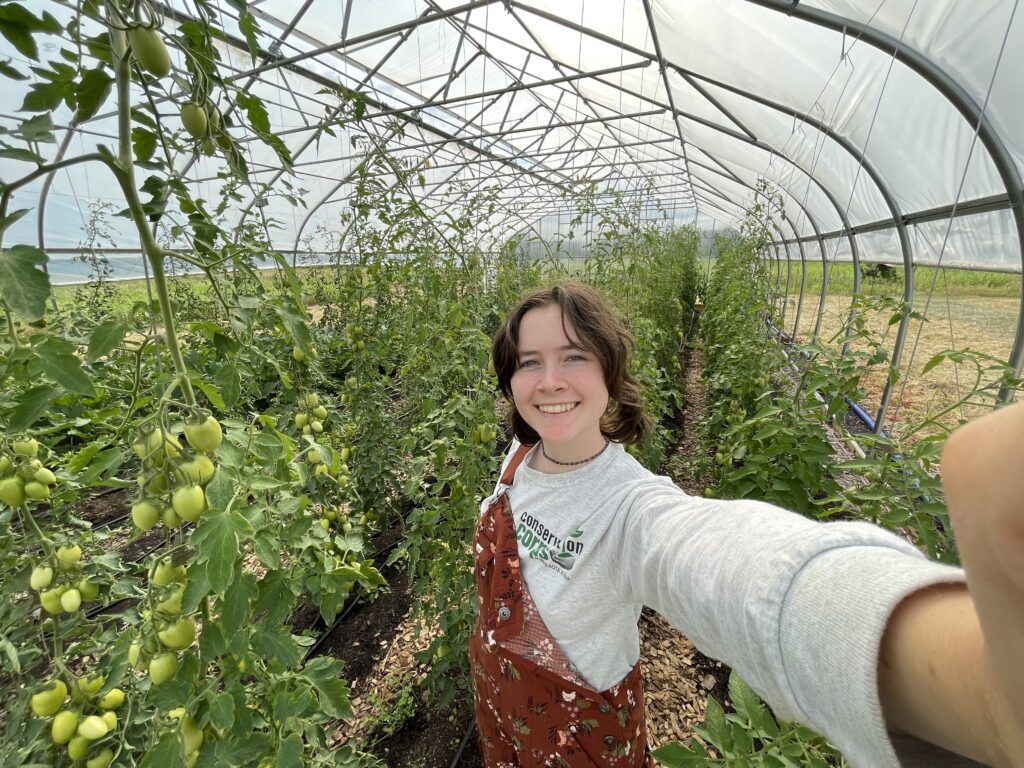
{"type": "Point", "coordinates": [771, 407]}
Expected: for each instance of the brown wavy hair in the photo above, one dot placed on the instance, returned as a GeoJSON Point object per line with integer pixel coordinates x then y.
{"type": "Point", "coordinates": [602, 333]}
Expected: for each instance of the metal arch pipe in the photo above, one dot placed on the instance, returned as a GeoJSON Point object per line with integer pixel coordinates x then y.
{"type": "Point", "coordinates": [645, 54]}
{"type": "Point", "coordinates": [964, 103]}
{"type": "Point", "coordinates": [894, 210]}
{"type": "Point", "coordinates": [848, 229]}
{"type": "Point", "coordinates": [814, 225]}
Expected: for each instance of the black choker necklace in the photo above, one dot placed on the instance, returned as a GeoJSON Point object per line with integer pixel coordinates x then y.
{"type": "Point", "coordinates": [571, 463]}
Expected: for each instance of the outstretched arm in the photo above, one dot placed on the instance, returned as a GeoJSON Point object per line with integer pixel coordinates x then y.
{"type": "Point", "coordinates": [952, 659]}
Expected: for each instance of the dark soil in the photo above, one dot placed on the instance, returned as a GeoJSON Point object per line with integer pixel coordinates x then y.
{"type": "Point", "coordinates": [105, 508]}
{"type": "Point", "coordinates": [361, 638]}
{"type": "Point", "coordinates": [431, 738]}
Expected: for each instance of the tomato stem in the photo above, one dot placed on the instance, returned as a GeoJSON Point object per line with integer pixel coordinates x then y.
{"type": "Point", "coordinates": [124, 172]}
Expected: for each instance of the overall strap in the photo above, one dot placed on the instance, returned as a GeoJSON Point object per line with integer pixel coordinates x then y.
{"type": "Point", "coordinates": [510, 471]}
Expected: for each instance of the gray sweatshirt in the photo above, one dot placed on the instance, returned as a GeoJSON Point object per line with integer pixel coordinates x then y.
{"type": "Point", "coordinates": [796, 607]}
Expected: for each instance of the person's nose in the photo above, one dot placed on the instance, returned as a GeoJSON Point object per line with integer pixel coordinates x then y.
{"type": "Point", "coordinates": [552, 380]}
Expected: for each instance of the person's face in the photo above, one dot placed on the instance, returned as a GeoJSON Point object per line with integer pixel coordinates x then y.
{"type": "Point", "coordinates": [558, 387]}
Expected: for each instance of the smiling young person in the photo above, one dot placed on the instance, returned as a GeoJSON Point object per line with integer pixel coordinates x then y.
{"type": "Point", "coordinates": [842, 626]}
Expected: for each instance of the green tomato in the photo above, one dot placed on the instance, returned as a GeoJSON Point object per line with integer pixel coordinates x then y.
{"type": "Point", "coordinates": [110, 719]}
{"type": "Point", "coordinates": [166, 573]}
{"type": "Point", "coordinates": [102, 760]}
{"type": "Point", "coordinates": [134, 654]}
{"type": "Point", "coordinates": [172, 605]}
{"type": "Point", "coordinates": [199, 469]}
{"type": "Point", "coordinates": [64, 727]}
{"type": "Point", "coordinates": [313, 455]}
{"type": "Point", "coordinates": [50, 600]}
{"type": "Point", "coordinates": [345, 453]}
{"type": "Point", "coordinates": [112, 699]}
{"type": "Point", "coordinates": [206, 436]}
{"type": "Point", "coordinates": [320, 412]}
{"type": "Point", "coordinates": [37, 491]}
{"type": "Point", "coordinates": [90, 685]}
{"type": "Point", "coordinates": [71, 600]}
{"type": "Point", "coordinates": [93, 727]}
{"type": "Point", "coordinates": [193, 117]}
{"type": "Point", "coordinates": [150, 51]}
{"type": "Point", "coordinates": [193, 734]}
{"type": "Point", "coordinates": [179, 635]}
{"type": "Point", "coordinates": [49, 702]}
{"type": "Point", "coordinates": [162, 667]}
{"type": "Point", "coordinates": [28, 448]}
{"type": "Point", "coordinates": [145, 514]}
{"type": "Point", "coordinates": [88, 590]}
{"type": "Point", "coordinates": [44, 476]}
{"type": "Point", "coordinates": [189, 502]}
{"type": "Point", "coordinates": [78, 747]}
{"type": "Point", "coordinates": [301, 420]}
{"type": "Point", "coordinates": [316, 426]}
{"type": "Point", "coordinates": [298, 355]}
{"type": "Point", "coordinates": [41, 578]}
{"type": "Point", "coordinates": [68, 557]}
{"type": "Point", "coordinates": [12, 491]}
{"type": "Point", "coordinates": [170, 517]}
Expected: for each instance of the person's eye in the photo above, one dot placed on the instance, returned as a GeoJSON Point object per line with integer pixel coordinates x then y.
{"type": "Point", "coordinates": [527, 363]}
{"type": "Point", "coordinates": [578, 358]}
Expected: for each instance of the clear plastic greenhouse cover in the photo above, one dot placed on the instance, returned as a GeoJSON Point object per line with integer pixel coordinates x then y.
{"type": "Point", "coordinates": [893, 129]}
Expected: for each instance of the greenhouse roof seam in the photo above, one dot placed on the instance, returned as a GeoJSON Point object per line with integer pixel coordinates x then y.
{"type": "Point", "coordinates": [510, 7]}
{"type": "Point", "coordinates": [945, 84]}
{"type": "Point", "coordinates": [408, 26]}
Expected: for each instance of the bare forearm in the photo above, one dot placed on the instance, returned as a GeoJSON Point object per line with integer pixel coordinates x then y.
{"type": "Point", "coordinates": [983, 476]}
{"type": "Point", "coordinates": [950, 668]}
{"type": "Point", "coordinates": [932, 673]}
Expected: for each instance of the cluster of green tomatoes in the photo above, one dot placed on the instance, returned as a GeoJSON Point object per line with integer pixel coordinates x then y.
{"type": "Point", "coordinates": [173, 478]}
{"type": "Point", "coordinates": [85, 721]}
{"type": "Point", "coordinates": [60, 583]}
{"type": "Point", "coordinates": [22, 475]}
{"type": "Point", "coordinates": [163, 632]}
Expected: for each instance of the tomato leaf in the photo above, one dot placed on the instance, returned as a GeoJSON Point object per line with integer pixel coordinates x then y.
{"type": "Point", "coordinates": [31, 404]}
{"type": "Point", "coordinates": [104, 338]}
{"type": "Point", "coordinates": [222, 710]}
{"type": "Point", "coordinates": [216, 543]}
{"type": "Point", "coordinates": [325, 675]}
{"type": "Point", "coordinates": [38, 128]}
{"type": "Point", "coordinates": [230, 384]}
{"type": "Point", "coordinates": [17, 153]}
{"type": "Point", "coordinates": [219, 493]}
{"type": "Point", "coordinates": [92, 90]}
{"type": "Point", "coordinates": [9, 219]}
{"type": "Point", "coordinates": [143, 143]}
{"type": "Point", "coordinates": [210, 391]}
{"type": "Point", "coordinates": [168, 752]}
{"type": "Point", "coordinates": [8, 71]}
{"type": "Point", "coordinates": [58, 361]}
{"type": "Point", "coordinates": [290, 752]}
{"type": "Point", "coordinates": [276, 643]}
{"type": "Point", "coordinates": [236, 605]}
{"type": "Point", "coordinates": [22, 286]}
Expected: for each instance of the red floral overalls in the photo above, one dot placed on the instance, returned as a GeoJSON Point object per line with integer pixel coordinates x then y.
{"type": "Point", "coordinates": [533, 708]}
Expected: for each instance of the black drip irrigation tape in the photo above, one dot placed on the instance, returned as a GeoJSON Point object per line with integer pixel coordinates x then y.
{"type": "Point", "coordinates": [348, 608]}
{"type": "Point", "coordinates": [462, 744]}
{"type": "Point", "coordinates": [96, 610]}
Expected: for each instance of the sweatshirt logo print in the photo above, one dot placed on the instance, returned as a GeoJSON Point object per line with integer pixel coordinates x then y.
{"type": "Point", "coordinates": [545, 546]}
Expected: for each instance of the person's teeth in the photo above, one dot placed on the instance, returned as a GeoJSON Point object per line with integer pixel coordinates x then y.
{"type": "Point", "coordinates": [557, 408]}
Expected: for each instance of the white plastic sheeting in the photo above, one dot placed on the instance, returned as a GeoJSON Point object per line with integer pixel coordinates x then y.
{"type": "Point", "coordinates": [535, 99]}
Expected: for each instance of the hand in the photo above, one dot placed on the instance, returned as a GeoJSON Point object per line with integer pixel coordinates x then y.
{"type": "Point", "coordinates": [983, 476]}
